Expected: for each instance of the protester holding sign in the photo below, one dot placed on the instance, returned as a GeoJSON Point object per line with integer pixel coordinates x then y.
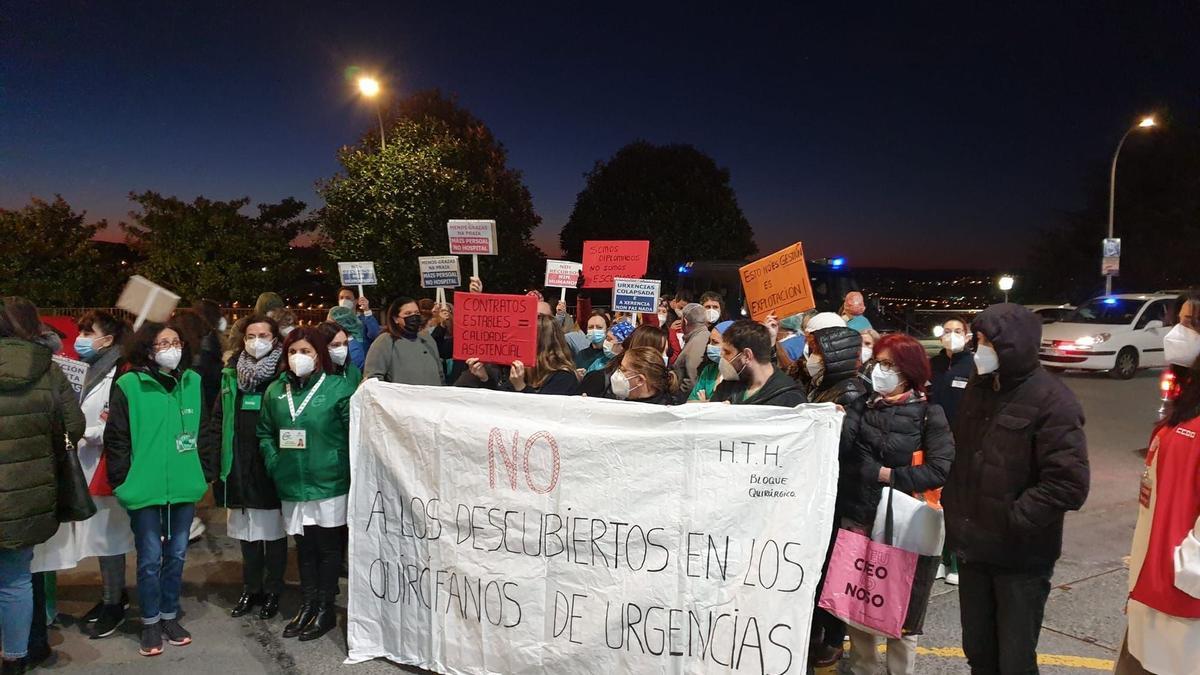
{"type": "Point", "coordinates": [245, 488]}
{"type": "Point", "coordinates": [404, 355]}
{"type": "Point", "coordinates": [35, 397]}
{"type": "Point", "coordinates": [157, 470]}
{"type": "Point", "coordinates": [748, 376]}
{"type": "Point", "coordinates": [553, 372]}
{"type": "Point", "coordinates": [709, 376]}
{"type": "Point", "coordinates": [881, 437]}
{"type": "Point", "coordinates": [106, 535]}
{"type": "Point", "coordinates": [339, 352]}
{"type": "Point", "coordinates": [351, 300]}
{"type": "Point", "coordinates": [302, 433]}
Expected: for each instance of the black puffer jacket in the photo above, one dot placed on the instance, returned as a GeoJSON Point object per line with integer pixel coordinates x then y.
{"type": "Point", "coordinates": [841, 349]}
{"type": "Point", "coordinates": [1022, 456]}
{"type": "Point", "coordinates": [875, 435]}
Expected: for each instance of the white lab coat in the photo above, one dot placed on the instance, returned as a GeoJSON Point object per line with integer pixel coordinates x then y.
{"type": "Point", "coordinates": [106, 533]}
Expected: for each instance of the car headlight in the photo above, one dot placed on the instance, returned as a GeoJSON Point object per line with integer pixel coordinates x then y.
{"type": "Point", "coordinates": [1089, 341]}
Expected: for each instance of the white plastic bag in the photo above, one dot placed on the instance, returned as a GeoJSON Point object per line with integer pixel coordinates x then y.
{"type": "Point", "coordinates": [917, 527]}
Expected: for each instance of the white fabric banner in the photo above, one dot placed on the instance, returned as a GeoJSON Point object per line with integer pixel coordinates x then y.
{"type": "Point", "coordinates": [497, 532]}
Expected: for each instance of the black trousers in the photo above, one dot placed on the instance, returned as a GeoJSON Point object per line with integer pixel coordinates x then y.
{"type": "Point", "coordinates": [1001, 611]}
{"type": "Point", "coordinates": [263, 565]}
{"type": "Point", "coordinates": [320, 551]}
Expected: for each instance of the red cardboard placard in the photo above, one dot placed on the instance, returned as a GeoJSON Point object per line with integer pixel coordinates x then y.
{"type": "Point", "coordinates": [603, 260]}
{"type": "Point", "coordinates": [495, 328]}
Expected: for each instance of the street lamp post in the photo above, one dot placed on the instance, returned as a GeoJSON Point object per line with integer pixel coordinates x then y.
{"type": "Point", "coordinates": [369, 87]}
{"type": "Point", "coordinates": [1005, 284]}
{"type": "Point", "coordinates": [1145, 123]}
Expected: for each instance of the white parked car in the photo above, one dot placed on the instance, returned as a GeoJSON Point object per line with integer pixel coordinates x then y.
{"type": "Point", "coordinates": [1117, 333]}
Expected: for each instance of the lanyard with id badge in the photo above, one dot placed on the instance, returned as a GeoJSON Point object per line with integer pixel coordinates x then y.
{"type": "Point", "coordinates": [297, 439]}
{"type": "Point", "coordinates": [186, 440]}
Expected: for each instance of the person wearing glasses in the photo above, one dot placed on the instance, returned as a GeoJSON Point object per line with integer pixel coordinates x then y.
{"type": "Point", "coordinates": [157, 470]}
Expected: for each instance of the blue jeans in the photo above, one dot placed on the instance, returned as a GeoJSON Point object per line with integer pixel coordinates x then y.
{"type": "Point", "coordinates": [160, 534]}
{"type": "Point", "coordinates": [16, 601]}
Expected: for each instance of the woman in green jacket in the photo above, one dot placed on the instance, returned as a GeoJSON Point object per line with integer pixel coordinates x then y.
{"type": "Point", "coordinates": [303, 433]}
{"type": "Point", "coordinates": [708, 377]}
{"type": "Point", "coordinates": [157, 471]}
{"type": "Point", "coordinates": [245, 488]}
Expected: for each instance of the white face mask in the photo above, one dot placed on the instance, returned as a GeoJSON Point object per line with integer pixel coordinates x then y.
{"type": "Point", "coordinates": [712, 315]}
{"type": "Point", "coordinates": [728, 370]}
{"type": "Point", "coordinates": [986, 359]}
{"type": "Point", "coordinates": [338, 354]}
{"type": "Point", "coordinates": [884, 380]}
{"type": "Point", "coordinates": [954, 342]}
{"type": "Point", "coordinates": [620, 385]}
{"type": "Point", "coordinates": [222, 325]}
{"type": "Point", "coordinates": [285, 331]}
{"type": "Point", "coordinates": [662, 319]}
{"type": "Point", "coordinates": [867, 354]}
{"type": "Point", "coordinates": [815, 365]}
{"type": "Point", "coordinates": [1181, 346]}
{"type": "Point", "coordinates": [302, 364]}
{"type": "Point", "coordinates": [169, 358]}
{"type": "Point", "coordinates": [259, 347]}
{"type": "Point", "coordinates": [347, 303]}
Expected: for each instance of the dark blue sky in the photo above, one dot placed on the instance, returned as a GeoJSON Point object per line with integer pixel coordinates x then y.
{"type": "Point", "coordinates": [930, 135]}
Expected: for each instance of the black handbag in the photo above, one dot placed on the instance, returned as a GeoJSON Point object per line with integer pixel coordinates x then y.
{"type": "Point", "coordinates": [74, 499]}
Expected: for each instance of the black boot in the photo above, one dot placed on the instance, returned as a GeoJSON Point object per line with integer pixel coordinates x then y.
{"type": "Point", "coordinates": [13, 667]}
{"type": "Point", "coordinates": [302, 619]}
{"type": "Point", "coordinates": [270, 606]}
{"type": "Point", "coordinates": [324, 621]}
{"type": "Point", "coordinates": [245, 603]}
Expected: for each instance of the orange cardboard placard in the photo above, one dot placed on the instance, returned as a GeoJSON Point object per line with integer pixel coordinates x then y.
{"type": "Point", "coordinates": [778, 284]}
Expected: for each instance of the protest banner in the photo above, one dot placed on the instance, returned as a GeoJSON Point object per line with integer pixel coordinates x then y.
{"type": "Point", "coordinates": [604, 260]}
{"type": "Point", "coordinates": [498, 533]}
{"type": "Point", "coordinates": [75, 371]}
{"type": "Point", "coordinates": [472, 237]}
{"type": "Point", "coordinates": [495, 328]}
{"type": "Point", "coordinates": [147, 300]}
{"type": "Point", "coordinates": [562, 274]}
{"type": "Point", "coordinates": [636, 295]}
{"type": "Point", "coordinates": [778, 284]}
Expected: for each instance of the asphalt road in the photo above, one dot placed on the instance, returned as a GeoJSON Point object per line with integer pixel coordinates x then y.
{"type": "Point", "coordinates": [1082, 629]}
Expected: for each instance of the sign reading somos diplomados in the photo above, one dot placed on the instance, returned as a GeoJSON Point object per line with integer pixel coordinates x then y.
{"type": "Point", "coordinates": [492, 533]}
{"type": "Point", "coordinates": [778, 284]}
{"type": "Point", "coordinates": [604, 260]}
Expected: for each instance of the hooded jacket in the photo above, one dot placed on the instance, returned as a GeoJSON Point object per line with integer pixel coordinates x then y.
{"type": "Point", "coordinates": [1021, 459]}
{"type": "Point", "coordinates": [841, 349]}
{"type": "Point", "coordinates": [779, 389]}
{"type": "Point", "coordinates": [32, 393]}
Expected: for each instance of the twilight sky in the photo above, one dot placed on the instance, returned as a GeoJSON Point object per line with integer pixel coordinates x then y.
{"type": "Point", "coordinates": [917, 134]}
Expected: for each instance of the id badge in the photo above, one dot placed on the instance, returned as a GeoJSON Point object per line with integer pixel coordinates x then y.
{"type": "Point", "coordinates": [252, 402]}
{"type": "Point", "coordinates": [293, 439]}
{"type": "Point", "coordinates": [959, 383]}
{"type": "Point", "coordinates": [185, 442]}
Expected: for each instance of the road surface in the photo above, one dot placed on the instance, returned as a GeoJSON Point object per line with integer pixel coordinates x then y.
{"type": "Point", "coordinates": [1083, 624]}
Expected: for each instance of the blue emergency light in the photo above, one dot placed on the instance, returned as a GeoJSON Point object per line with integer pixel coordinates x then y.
{"type": "Point", "coordinates": [837, 263]}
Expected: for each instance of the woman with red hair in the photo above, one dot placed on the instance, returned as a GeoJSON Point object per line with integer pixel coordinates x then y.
{"type": "Point", "coordinates": [880, 436]}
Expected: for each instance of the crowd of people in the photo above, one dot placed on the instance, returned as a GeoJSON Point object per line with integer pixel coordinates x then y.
{"type": "Point", "coordinates": [171, 408]}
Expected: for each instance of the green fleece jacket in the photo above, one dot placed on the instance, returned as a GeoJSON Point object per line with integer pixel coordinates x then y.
{"type": "Point", "coordinates": [321, 469]}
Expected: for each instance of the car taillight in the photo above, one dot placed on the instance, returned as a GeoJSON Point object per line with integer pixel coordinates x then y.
{"type": "Point", "coordinates": [1169, 385]}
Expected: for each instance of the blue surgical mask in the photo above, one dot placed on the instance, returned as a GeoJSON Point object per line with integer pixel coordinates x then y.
{"type": "Point", "coordinates": [83, 347]}
{"type": "Point", "coordinates": [713, 352]}
{"type": "Point", "coordinates": [596, 336]}
{"type": "Point", "coordinates": [608, 349]}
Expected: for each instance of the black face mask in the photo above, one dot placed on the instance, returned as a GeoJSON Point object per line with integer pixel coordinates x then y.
{"type": "Point", "coordinates": [412, 323]}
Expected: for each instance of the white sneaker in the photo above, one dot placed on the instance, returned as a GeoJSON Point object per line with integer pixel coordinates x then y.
{"type": "Point", "coordinates": [941, 573]}
{"type": "Point", "coordinates": [196, 531]}
{"type": "Point", "coordinates": [952, 578]}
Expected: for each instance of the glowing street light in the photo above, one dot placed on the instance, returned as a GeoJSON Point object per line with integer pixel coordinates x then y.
{"type": "Point", "coordinates": [1147, 122]}
{"type": "Point", "coordinates": [369, 87]}
{"type": "Point", "coordinates": [1005, 284]}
